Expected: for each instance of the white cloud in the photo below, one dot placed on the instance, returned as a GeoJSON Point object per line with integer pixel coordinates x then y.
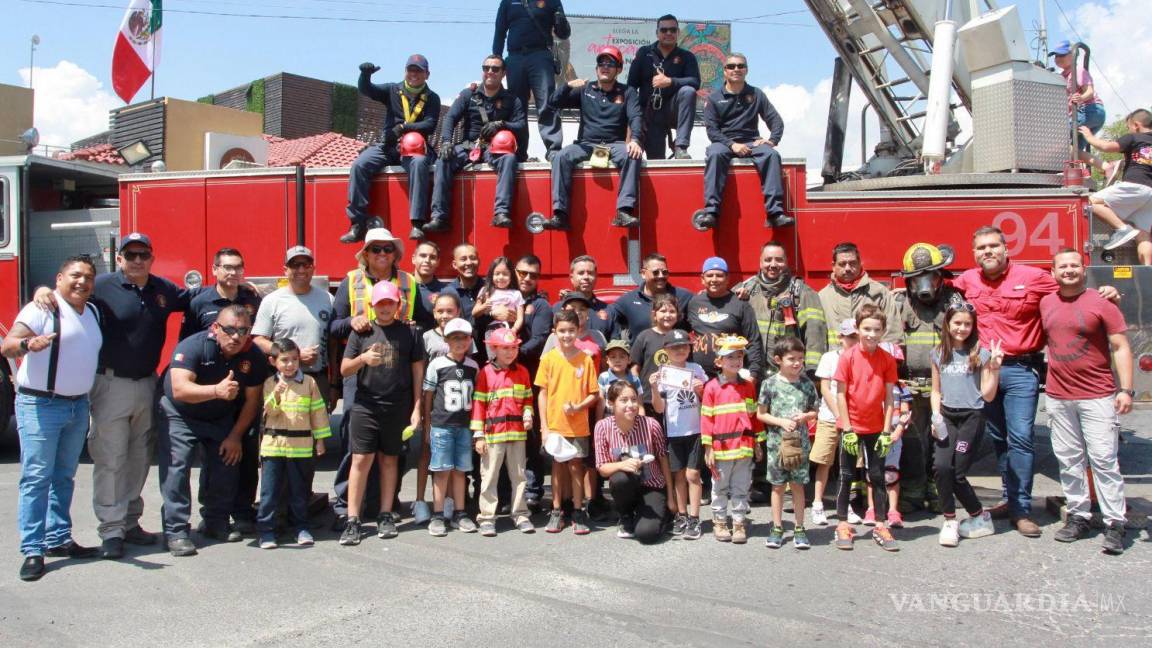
{"type": "Point", "coordinates": [805, 114]}
{"type": "Point", "coordinates": [71, 103]}
{"type": "Point", "coordinates": [1120, 35]}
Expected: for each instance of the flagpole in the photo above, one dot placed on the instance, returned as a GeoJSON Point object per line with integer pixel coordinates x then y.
{"type": "Point", "coordinates": [152, 48]}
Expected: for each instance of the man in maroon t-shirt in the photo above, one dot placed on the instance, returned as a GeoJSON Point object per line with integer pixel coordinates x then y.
{"type": "Point", "coordinates": [1086, 335]}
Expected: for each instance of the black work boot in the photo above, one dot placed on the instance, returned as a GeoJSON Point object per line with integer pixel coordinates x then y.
{"type": "Point", "coordinates": [356, 233]}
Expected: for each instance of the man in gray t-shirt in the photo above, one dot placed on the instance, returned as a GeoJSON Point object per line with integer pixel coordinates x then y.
{"type": "Point", "coordinates": [298, 312]}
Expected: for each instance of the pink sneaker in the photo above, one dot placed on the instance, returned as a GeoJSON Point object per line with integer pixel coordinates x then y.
{"type": "Point", "coordinates": [870, 517]}
{"type": "Point", "coordinates": [895, 520]}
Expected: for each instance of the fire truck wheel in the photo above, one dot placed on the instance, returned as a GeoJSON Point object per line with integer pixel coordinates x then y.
{"type": "Point", "coordinates": [535, 223]}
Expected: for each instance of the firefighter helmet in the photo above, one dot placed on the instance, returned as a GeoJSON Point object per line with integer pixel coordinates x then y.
{"type": "Point", "coordinates": [925, 257]}
{"type": "Point", "coordinates": [503, 142]}
{"type": "Point", "coordinates": [611, 52]}
{"type": "Point", "coordinates": [412, 143]}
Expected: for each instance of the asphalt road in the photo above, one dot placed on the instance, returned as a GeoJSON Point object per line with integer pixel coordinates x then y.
{"type": "Point", "coordinates": [596, 590]}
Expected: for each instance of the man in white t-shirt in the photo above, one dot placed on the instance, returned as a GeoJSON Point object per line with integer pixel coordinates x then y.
{"type": "Point", "coordinates": [60, 350]}
{"type": "Point", "coordinates": [827, 441]}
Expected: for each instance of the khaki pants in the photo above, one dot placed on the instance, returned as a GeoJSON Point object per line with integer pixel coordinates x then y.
{"type": "Point", "coordinates": [513, 455]}
{"type": "Point", "coordinates": [121, 442]}
{"type": "Point", "coordinates": [1084, 435]}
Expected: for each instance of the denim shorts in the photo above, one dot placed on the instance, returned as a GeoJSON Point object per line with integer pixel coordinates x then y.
{"type": "Point", "coordinates": [451, 449]}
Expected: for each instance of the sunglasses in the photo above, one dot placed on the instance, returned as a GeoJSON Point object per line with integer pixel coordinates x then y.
{"type": "Point", "coordinates": [297, 265]}
{"type": "Point", "coordinates": [658, 273]}
{"type": "Point", "coordinates": [235, 331]}
{"type": "Point", "coordinates": [381, 249]}
{"type": "Point", "coordinates": [231, 268]}
{"type": "Point", "coordinates": [136, 256]}
{"type": "Point", "coordinates": [606, 64]}
{"type": "Point", "coordinates": [669, 30]}
{"type": "Point", "coordinates": [526, 274]}
{"type": "Point", "coordinates": [735, 66]}
{"type": "Point", "coordinates": [965, 306]}
{"type": "Point", "coordinates": [492, 68]}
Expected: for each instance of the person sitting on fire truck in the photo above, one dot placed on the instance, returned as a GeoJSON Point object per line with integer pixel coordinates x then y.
{"type": "Point", "coordinates": [667, 77]}
{"type": "Point", "coordinates": [412, 111]}
{"type": "Point", "coordinates": [731, 118]}
{"type": "Point", "coordinates": [489, 116]}
{"type": "Point", "coordinates": [608, 111]}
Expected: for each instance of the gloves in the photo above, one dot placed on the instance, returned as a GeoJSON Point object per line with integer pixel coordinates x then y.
{"type": "Point", "coordinates": [370, 68]}
{"type": "Point", "coordinates": [939, 428]}
{"type": "Point", "coordinates": [851, 443]}
{"type": "Point", "coordinates": [399, 129]}
{"type": "Point", "coordinates": [883, 445]}
{"type": "Point", "coordinates": [791, 452]}
{"type": "Point", "coordinates": [491, 128]}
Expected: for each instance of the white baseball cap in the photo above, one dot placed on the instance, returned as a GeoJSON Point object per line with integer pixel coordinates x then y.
{"type": "Point", "coordinates": [457, 326]}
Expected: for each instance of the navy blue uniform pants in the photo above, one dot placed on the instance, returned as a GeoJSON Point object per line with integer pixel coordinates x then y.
{"type": "Point", "coordinates": [566, 160]}
{"type": "Point", "coordinates": [677, 112]}
{"type": "Point", "coordinates": [717, 159]}
{"type": "Point", "coordinates": [446, 168]}
{"type": "Point", "coordinates": [374, 158]}
{"type": "Point", "coordinates": [532, 72]}
{"type": "Point", "coordinates": [290, 477]}
{"type": "Point", "coordinates": [178, 439]}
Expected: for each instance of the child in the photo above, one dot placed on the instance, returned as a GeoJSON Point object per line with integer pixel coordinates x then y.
{"type": "Point", "coordinates": [865, 378]}
{"type": "Point", "coordinates": [295, 421]}
{"type": "Point", "coordinates": [588, 340]}
{"type": "Point", "coordinates": [964, 376]}
{"type": "Point", "coordinates": [567, 378]}
{"type": "Point", "coordinates": [501, 418]}
{"type": "Point", "coordinates": [619, 358]}
{"type": "Point", "coordinates": [728, 434]}
{"type": "Point", "coordinates": [680, 405]}
{"type": "Point", "coordinates": [787, 404]}
{"type": "Point", "coordinates": [901, 414]}
{"type": "Point", "coordinates": [1130, 200]}
{"type": "Point", "coordinates": [827, 441]}
{"type": "Point", "coordinates": [500, 299]}
{"type": "Point", "coordinates": [648, 347]}
{"type": "Point", "coordinates": [388, 362]}
{"type": "Point", "coordinates": [448, 386]}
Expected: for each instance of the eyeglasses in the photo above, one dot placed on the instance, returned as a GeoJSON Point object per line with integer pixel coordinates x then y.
{"type": "Point", "coordinates": [735, 66]}
{"type": "Point", "coordinates": [669, 30]}
{"type": "Point", "coordinates": [606, 64]}
{"type": "Point", "coordinates": [658, 273]}
{"type": "Point", "coordinates": [527, 274]}
{"type": "Point", "coordinates": [231, 268]}
{"type": "Point", "coordinates": [136, 256]}
{"type": "Point", "coordinates": [381, 249]}
{"type": "Point", "coordinates": [968, 307]}
{"type": "Point", "coordinates": [234, 331]}
{"type": "Point", "coordinates": [492, 68]}
{"type": "Point", "coordinates": [297, 265]}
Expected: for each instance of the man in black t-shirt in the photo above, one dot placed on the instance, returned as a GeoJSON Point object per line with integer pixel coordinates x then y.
{"type": "Point", "coordinates": [1128, 201]}
{"type": "Point", "coordinates": [211, 396]}
{"type": "Point", "coordinates": [388, 361]}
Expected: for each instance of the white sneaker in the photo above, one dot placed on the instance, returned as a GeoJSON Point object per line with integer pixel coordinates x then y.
{"type": "Point", "coordinates": [950, 533]}
{"type": "Point", "coordinates": [449, 508]}
{"type": "Point", "coordinates": [853, 518]}
{"type": "Point", "coordinates": [977, 527]}
{"type": "Point", "coordinates": [819, 516]}
{"type": "Point", "coordinates": [421, 512]}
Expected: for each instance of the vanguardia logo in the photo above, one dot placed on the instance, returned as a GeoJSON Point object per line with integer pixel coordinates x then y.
{"type": "Point", "coordinates": [1005, 602]}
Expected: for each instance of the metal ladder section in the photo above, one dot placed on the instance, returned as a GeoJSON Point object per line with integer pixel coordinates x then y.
{"type": "Point", "coordinates": [886, 46]}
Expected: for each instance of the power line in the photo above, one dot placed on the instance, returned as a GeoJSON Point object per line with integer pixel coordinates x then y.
{"type": "Point", "coordinates": [1097, 66]}
{"type": "Point", "coordinates": [203, 12]}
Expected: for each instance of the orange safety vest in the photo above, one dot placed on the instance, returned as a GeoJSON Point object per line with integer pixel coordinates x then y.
{"type": "Point", "coordinates": [360, 294]}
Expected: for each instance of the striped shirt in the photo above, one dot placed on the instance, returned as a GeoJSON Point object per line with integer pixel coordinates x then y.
{"type": "Point", "coordinates": [501, 399]}
{"type": "Point", "coordinates": [292, 423]}
{"type": "Point", "coordinates": [727, 419]}
{"type": "Point", "coordinates": [645, 437]}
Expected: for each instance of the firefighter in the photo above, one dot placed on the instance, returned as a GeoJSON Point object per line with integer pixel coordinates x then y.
{"type": "Point", "coordinates": [528, 27]}
{"type": "Point", "coordinates": [922, 308]}
{"type": "Point", "coordinates": [488, 116]}
{"type": "Point", "coordinates": [667, 77]}
{"type": "Point", "coordinates": [785, 306]}
{"type": "Point", "coordinates": [412, 111]}
{"type": "Point", "coordinates": [851, 288]}
{"type": "Point", "coordinates": [731, 117]}
{"type": "Point", "coordinates": [608, 111]}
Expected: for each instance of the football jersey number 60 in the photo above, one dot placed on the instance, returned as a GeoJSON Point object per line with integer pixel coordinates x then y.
{"type": "Point", "coordinates": [457, 395]}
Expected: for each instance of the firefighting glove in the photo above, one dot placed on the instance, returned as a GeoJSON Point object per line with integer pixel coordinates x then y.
{"type": "Point", "coordinates": [851, 443]}
{"type": "Point", "coordinates": [370, 68]}
{"type": "Point", "coordinates": [491, 128]}
{"type": "Point", "coordinates": [791, 451]}
{"type": "Point", "coordinates": [883, 445]}
{"type": "Point", "coordinates": [939, 428]}
{"type": "Point", "coordinates": [399, 129]}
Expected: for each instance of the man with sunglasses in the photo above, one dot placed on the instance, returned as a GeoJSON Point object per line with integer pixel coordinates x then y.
{"type": "Point", "coordinates": [610, 117]}
{"type": "Point", "coordinates": [529, 26]}
{"type": "Point", "coordinates": [409, 107]}
{"type": "Point", "coordinates": [667, 77]}
{"type": "Point", "coordinates": [732, 118]}
{"type": "Point", "coordinates": [632, 311]}
{"type": "Point", "coordinates": [211, 398]}
{"type": "Point", "coordinates": [533, 334]}
{"type": "Point", "coordinates": [488, 115]}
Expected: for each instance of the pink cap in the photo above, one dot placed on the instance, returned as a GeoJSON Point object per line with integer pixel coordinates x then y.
{"type": "Point", "coordinates": [385, 290]}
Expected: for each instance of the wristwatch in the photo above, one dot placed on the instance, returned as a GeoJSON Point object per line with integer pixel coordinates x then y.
{"type": "Point", "coordinates": [1130, 392]}
{"type": "Point", "coordinates": [24, 345]}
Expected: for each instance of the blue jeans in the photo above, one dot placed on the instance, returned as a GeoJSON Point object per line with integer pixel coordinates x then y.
{"type": "Point", "coordinates": [1092, 116]}
{"type": "Point", "coordinates": [451, 449]}
{"type": "Point", "coordinates": [1010, 418]}
{"type": "Point", "coordinates": [52, 433]}
{"type": "Point", "coordinates": [280, 474]}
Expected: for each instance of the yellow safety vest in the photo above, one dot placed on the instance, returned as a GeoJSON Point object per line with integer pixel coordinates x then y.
{"type": "Point", "coordinates": [360, 294]}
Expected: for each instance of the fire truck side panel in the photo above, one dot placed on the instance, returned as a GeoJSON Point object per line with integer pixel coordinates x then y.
{"type": "Point", "coordinates": [254, 215]}
{"type": "Point", "coordinates": [173, 214]}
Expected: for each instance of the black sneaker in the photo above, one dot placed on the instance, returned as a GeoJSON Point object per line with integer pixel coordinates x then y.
{"type": "Point", "coordinates": [1074, 529]}
{"type": "Point", "coordinates": [581, 525]}
{"type": "Point", "coordinates": [351, 534]}
{"type": "Point", "coordinates": [692, 529]}
{"type": "Point", "coordinates": [501, 220]}
{"type": "Point", "coordinates": [679, 524]}
{"type": "Point", "coordinates": [625, 219]}
{"type": "Point", "coordinates": [1113, 541]}
{"type": "Point", "coordinates": [356, 233]}
{"type": "Point", "coordinates": [386, 526]}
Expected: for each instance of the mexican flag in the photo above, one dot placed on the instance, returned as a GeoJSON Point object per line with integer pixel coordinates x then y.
{"type": "Point", "coordinates": [137, 47]}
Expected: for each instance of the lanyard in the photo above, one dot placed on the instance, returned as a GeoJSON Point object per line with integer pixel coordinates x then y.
{"type": "Point", "coordinates": [411, 114]}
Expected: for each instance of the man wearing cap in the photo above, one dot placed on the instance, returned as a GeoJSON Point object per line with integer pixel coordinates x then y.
{"type": "Point", "coordinates": [612, 125]}
{"type": "Point", "coordinates": [851, 288]}
{"type": "Point", "coordinates": [488, 116]}
{"type": "Point", "coordinates": [528, 28]}
{"type": "Point", "coordinates": [732, 117]}
{"type": "Point", "coordinates": [667, 77]}
{"type": "Point", "coordinates": [785, 306]}
{"type": "Point", "coordinates": [582, 276]}
{"type": "Point", "coordinates": [922, 308]}
{"type": "Point", "coordinates": [410, 107]}
{"type": "Point", "coordinates": [716, 313]}
{"type": "Point", "coordinates": [632, 311]}
{"type": "Point", "coordinates": [201, 406]}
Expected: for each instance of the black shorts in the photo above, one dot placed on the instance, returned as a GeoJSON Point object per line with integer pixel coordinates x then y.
{"type": "Point", "coordinates": [684, 453]}
{"type": "Point", "coordinates": [372, 429]}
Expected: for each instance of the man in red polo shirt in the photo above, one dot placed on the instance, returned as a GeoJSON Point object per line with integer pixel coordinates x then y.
{"type": "Point", "coordinates": [1007, 298]}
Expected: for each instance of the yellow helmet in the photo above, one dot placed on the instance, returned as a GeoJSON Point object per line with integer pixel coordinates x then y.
{"type": "Point", "coordinates": [925, 257]}
{"type": "Point", "coordinates": [730, 344]}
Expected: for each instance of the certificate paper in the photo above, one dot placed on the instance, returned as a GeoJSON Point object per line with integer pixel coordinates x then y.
{"type": "Point", "coordinates": [675, 377]}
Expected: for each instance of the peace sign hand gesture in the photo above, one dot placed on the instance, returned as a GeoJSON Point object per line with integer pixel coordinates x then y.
{"type": "Point", "coordinates": [996, 354]}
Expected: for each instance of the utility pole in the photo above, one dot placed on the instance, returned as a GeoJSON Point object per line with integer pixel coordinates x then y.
{"type": "Point", "coordinates": [1043, 55]}
{"type": "Point", "coordinates": [32, 58]}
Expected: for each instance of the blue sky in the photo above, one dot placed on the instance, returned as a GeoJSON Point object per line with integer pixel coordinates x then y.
{"type": "Point", "coordinates": [204, 53]}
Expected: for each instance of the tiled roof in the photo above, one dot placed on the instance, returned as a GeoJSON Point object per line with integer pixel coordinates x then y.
{"type": "Point", "coordinates": [104, 153]}
{"type": "Point", "coordinates": [324, 150]}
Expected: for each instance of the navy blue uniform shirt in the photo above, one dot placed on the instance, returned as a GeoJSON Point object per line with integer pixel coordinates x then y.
{"type": "Point", "coordinates": [633, 310]}
{"type": "Point", "coordinates": [535, 330]}
{"type": "Point", "coordinates": [468, 296]}
{"type": "Point", "coordinates": [389, 95]}
{"type": "Point", "coordinates": [735, 118]}
{"type": "Point", "coordinates": [680, 65]}
{"type": "Point", "coordinates": [204, 307]}
{"type": "Point", "coordinates": [134, 321]}
{"type": "Point", "coordinates": [604, 116]}
{"type": "Point", "coordinates": [201, 355]}
{"type": "Point", "coordinates": [514, 22]}
{"type": "Point", "coordinates": [501, 107]}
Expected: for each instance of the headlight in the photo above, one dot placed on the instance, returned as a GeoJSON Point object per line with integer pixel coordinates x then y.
{"type": "Point", "coordinates": [193, 279]}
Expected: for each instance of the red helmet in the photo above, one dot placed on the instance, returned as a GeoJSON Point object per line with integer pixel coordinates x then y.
{"type": "Point", "coordinates": [611, 51]}
{"type": "Point", "coordinates": [412, 143]}
{"type": "Point", "coordinates": [503, 142]}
